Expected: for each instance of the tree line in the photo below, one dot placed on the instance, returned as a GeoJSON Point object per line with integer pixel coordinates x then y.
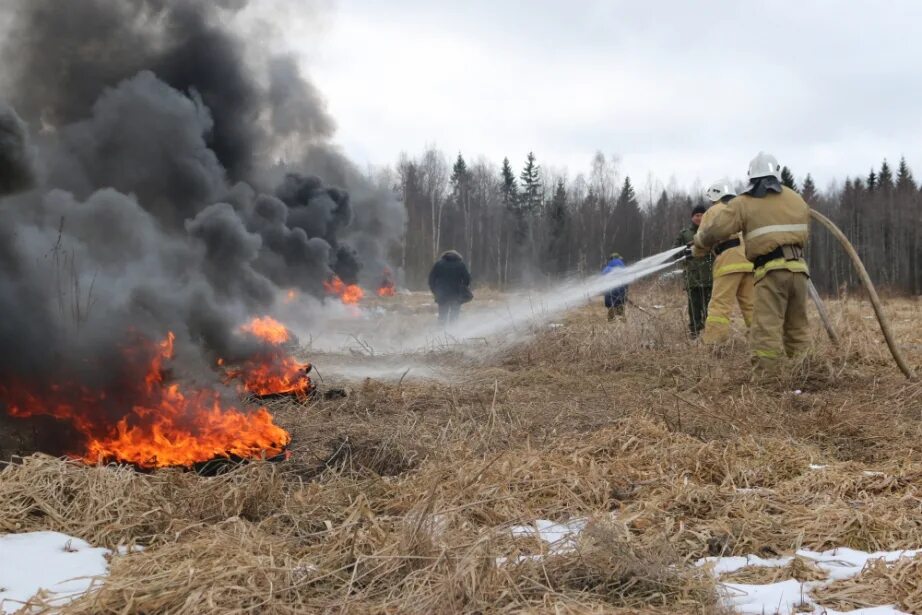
{"type": "Point", "coordinates": [517, 227]}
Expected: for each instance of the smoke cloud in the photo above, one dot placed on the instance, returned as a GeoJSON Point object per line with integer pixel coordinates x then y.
{"type": "Point", "coordinates": [16, 155]}
{"type": "Point", "coordinates": [187, 180]}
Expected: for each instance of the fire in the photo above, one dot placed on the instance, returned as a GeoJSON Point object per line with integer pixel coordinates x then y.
{"type": "Point", "coordinates": [290, 296]}
{"type": "Point", "coordinates": [267, 329]}
{"type": "Point", "coordinates": [146, 420]}
{"type": "Point", "coordinates": [276, 375]}
{"type": "Point", "coordinates": [349, 294]}
{"type": "Point", "coordinates": [273, 371]}
{"type": "Point", "coordinates": [387, 288]}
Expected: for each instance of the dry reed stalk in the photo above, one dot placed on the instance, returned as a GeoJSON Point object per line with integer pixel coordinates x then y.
{"type": "Point", "coordinates": [400, 498]}
{"type": "Point", "coordinates": [898, 583]}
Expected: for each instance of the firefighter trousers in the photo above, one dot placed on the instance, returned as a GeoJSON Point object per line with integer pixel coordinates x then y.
{"type": "Point", "coordinates": [729, 290]}
{"type": "Point", "coordinates": [779, 319]}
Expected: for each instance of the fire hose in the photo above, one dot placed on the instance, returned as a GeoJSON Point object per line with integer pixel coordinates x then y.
{"type": "Point", "coordinates": [872, 292]}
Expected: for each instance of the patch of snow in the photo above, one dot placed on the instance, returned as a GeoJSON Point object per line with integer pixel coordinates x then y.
{"type": "Point", "coordinates": [727, 565]}
{"type": "Point", "coordinates": [844, 563]}
{"type": "Point", "coordinates": [560, 537]}
{"type": "Point", "coordinates": [62, 565]}
{"type": "Point", "coordinates": [816, 466]}
{"type": "Point", "coordinates": [555, 325]}
{"type": "Point", "coordinates": [781, 598]}
{"type": "Point", "coordinates": [786, 597]}
{"type": "Point", "coordinates": [870, 473]}
{"type": "Point", "coordinates": [659, 307]}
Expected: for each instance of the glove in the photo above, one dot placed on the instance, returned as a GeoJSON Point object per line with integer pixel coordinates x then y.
{"type": "Point", "coordinates": [686, 253]}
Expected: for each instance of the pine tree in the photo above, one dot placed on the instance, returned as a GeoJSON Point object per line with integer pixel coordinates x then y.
{"type": "Point", "coordinates": [904, 180]}
{"type": "Point", "coordinates": [885, 177]}
{"type": "Point", "coordinates": [628, 222]}
{"type": "Point", "coordinates": [531, 185]}
{"type": "Point", "coordinates": [459, 174]}
{"type": "Point", "coordinates": [809, 191]}
{"type": "Point", "coordinates": [509, 188]}
{"type": "Point", "coordinates": [558, 210]}
{"type": "Point", "coordinates": [787, 178]}
{"type": "Point", "coordinates": [872, 181]}
{"type": "Point", "coordinates": [557, 221]}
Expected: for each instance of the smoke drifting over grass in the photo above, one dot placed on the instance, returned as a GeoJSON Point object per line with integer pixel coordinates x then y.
{"type": "Point", "coordinates": [187, 179]}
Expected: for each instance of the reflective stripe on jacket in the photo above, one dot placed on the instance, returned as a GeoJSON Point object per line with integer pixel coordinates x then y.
{"type": "Point", "coordinates": [766, 223]}
{"type": "Point", "coordinates": [798, 266]}
{"type": "Point", "coordinates": [729, 261]}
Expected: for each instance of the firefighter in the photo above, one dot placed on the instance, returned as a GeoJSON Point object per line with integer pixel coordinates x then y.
{"type": "Point", "coordinates": [698, 278]}
{"type": "Point", "coordinates": [774, 221]}
{"type": "Point", "coordinates": [732, 273]}
{"type": "Point", "coordinates": [615, 298]}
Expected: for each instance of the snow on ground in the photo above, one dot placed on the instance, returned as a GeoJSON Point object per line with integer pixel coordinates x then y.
{"type": "Point", "coordinates": [50, 561]}
{"type": "Point", "coordinates": [560, 537]}
{"type": "Point", "coordinates": [785, 597]}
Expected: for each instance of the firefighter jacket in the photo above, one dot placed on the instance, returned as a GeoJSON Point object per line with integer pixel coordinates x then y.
{"type": "Point", "coordinates": [730, 259]}
{"type": "Point", "coordinates": [697, 270]}
{"type": "Point", "coordinates": [775, 224]}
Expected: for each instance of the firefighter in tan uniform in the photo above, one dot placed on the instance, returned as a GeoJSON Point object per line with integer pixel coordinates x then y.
{"type": "Point", "coordinates": [774, 221]}
{"type": "Point", "coordinates": [733, 279]}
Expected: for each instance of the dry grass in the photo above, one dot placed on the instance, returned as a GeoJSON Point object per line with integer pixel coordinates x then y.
{"type": "Point", "coordinates": [899, 583]}
{"type": "Point", "coordinates": [399, 498]}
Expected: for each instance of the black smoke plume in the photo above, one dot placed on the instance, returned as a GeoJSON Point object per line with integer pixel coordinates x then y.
{"type": "Point", "coordinates": [16, 156]}
{"type": "Point", "coordinates": [178, 180]}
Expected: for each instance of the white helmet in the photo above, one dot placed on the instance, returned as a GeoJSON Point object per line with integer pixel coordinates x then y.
{"type": "Point", "coordinates": [719, 189]}
{"type": "Point", "coordinates": [764, 165]}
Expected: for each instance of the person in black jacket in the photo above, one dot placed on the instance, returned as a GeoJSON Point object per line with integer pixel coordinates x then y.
{"type": "Point", "coordinates": [450, 283]}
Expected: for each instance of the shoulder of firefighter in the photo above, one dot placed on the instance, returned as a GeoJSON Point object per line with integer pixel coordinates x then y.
{"type": "Point", "coordinates": [775, 229]}
{"type": "Point", "coordinates": [729, 252]}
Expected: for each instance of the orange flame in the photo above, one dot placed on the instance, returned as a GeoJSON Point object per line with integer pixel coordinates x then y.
{"type": "Point", "coordinates": [149, 422]}
{"type": "Point", "coordinates": [350, 294]}
{"type": "Point", "coordinates": [280, 375]}
{"type": "Point", "coordinates": [290, 296]}
{"type": "Point", "coordinates": [387, 288]}
{"type": "Point", "coordinates": [274, 371]}
{"type": "Point", "coordinates": [267, 329]}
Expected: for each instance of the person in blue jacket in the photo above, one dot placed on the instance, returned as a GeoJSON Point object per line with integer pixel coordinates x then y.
{"type": "Point", "coordinates": [615, 298]}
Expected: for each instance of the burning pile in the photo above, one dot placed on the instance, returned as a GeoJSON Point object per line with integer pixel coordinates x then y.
{"type": "Point", "coordinates": [177, 191]}
{"type": "Point", "coordinates": [350, 294]}
{"type": "Point", "coordinates": [161, 422]}
{"type": "Point", "coordinates": [387, 287]}
{"type": "Point", "coordinates": [273, 371]}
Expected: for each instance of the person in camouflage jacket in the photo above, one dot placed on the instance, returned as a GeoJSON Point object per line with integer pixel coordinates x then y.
{"type": "Point", "coordinates": [698, 276]}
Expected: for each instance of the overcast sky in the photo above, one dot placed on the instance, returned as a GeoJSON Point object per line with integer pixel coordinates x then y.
{"type": "Point", "coordinates": [690, 89]}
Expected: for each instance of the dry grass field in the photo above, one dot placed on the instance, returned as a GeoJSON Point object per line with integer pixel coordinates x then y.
{"type": "Point", "coordinates": [405, 496]}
